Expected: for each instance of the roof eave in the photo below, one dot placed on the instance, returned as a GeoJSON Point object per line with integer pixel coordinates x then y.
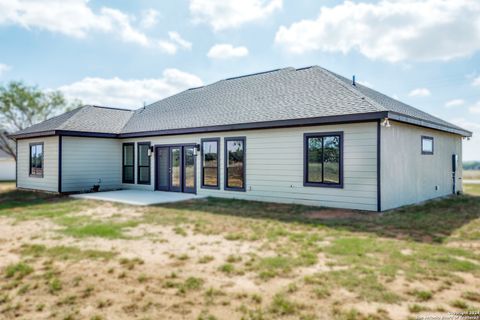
{"type": "Point", "coordinates": [427, 124]}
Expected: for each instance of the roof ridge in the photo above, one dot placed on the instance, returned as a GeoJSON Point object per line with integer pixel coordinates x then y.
{"type": "Point", "coordinates": [73, 114]}
{"type": "Point", "coordinates": [333, 76]}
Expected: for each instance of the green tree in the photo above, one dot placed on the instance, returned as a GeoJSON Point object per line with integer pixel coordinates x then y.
{"type": "Point", "coordinates": [22, 106]}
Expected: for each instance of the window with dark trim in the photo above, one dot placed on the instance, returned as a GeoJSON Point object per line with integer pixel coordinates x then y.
{"type": "Point", "coordinates": [323, 159]}
{"type": "Point", "coordinates": [143, 163]}
{"type": "Point", "coordinates": [128, 163]}
{"type": "Point", "coordinates": [210, 163]}
{"type": "Point", "coordinates": [235, 163]}
{"type": "Point", "coordinates": [427, 145]}
{"type": "Point", "coordinates": [36, 160]}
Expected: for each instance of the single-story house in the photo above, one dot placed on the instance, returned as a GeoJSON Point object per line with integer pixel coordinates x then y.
{"type": "Point", "coordinates": [306, 136]}
{"type": "Point", "coordinates": [7, 167]}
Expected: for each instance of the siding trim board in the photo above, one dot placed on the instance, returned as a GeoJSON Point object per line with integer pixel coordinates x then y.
{"type": "Point", "coordinates": [379, 163]}
{"type": "Point", "coordinates": [217, 140]}
{"type": "Point", "coordinates": [306, 183]}
{"type": "Point", "coordinates": [59, 164]}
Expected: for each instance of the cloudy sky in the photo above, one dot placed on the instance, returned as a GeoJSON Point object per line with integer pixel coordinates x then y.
{"type": "Point", "coordinates": [124, 53]}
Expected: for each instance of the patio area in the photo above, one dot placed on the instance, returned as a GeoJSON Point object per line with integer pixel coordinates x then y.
{"type": "Point", "coordinates": [138, 197]}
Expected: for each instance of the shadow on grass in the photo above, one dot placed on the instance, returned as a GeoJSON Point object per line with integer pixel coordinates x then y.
{"type": "Point", "coordinates": [433, 221]}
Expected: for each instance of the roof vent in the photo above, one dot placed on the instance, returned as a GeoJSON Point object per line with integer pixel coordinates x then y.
{"type": "Point", "coordinates": [353, 80]}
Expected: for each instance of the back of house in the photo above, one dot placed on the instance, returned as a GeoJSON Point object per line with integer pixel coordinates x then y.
{"type": "Point", "coordinates": [7, 167]}
{"type": "Point", "coordinates": [306, 136]}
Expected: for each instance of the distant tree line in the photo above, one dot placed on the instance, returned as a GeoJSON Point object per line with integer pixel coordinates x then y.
{"type": "Point", "coordinates": [471, 165]}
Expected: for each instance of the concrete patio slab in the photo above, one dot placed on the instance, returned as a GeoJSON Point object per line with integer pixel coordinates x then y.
{"type": "Point", "coordinates": [138, 197]}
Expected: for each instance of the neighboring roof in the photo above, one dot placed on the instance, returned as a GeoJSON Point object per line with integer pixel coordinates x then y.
{"type": "Point", "coordinates": [284, 97]}
{"type": "Point", "coordinates": [83, 119]}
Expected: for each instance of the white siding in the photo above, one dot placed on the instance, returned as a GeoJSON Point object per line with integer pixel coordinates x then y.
{"type": "Point", "coordinates": [274, 165]}
{"type": "Point", "coordinates": [49, 181]}
{"type": "Point", "coordinates": [409, 177]}
{"type": "Point", "coordinates": [7, 169]}
{"type": "Point", "coordinates": [86, 161]}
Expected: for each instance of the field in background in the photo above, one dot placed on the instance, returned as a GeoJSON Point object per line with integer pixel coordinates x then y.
{"type": "Point", "coordinates": [214, 259]}
{"type": "Point", "coordinates": [471, 174]}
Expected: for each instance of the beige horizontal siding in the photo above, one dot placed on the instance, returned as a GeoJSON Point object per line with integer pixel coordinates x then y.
{"type": "Point", "coordinates": [274, 166]}
{"type": "Point", "coordinates": [49, 181]}
{"type": "Point", "coordinates": [86, 161]}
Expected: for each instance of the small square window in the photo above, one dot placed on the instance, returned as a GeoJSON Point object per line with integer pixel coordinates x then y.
{"type": "Point", "coordinates": [427, 145]}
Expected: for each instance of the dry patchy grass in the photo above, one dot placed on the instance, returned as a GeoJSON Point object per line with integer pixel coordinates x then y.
{"type": "Point", "coordinates": [216, 259]}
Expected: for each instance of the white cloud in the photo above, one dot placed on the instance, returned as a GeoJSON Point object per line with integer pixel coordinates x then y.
{"type": "Point", "coordinates": [4, 68]}
{"type": "Point", "coordinates": [390, 30]}
{"type": "Point", "coordinates": [167, 47]}
{"type": "Point", "coordinates": [226, 51]}
{"type": "Point", "coordinates": [149, 18]}
{"type": "Point", "coordinates": [176, 38]}
{"type": "Point", "coordinates": [131, 93]}
{"type": "Point", "coordinates": [225, 14]}
{"type": "Point", "coordinates": [475, 109]}
{"type": "Point", "coordinates": [454, 103]}
{"type": "Point", "coordinates": [476, 82]}
{"type": "Point", "coordinates": [76, 18]}
{"type": "Point", "coordinates": [419, 92]}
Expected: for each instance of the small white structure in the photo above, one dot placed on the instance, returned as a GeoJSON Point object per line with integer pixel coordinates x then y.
{"type": "Point", "coordinates": [7, 167]}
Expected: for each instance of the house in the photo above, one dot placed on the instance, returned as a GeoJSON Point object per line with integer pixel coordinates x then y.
{"type": "Point", "coordinates": [306, 136]}
{"type": "Point", "coordinates": [7, 167]}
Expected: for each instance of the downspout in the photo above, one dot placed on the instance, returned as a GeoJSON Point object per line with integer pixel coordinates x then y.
{"type": "Point", "coordinates": [59, 164]}
{"type": "Point", "coordinates": [379, 162]}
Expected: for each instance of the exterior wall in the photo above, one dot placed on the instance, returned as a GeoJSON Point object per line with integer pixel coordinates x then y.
{"type": "Point", "coordinates": [274, 166]}
{"type": "Point", "coordinates": [7, 169]}
{"type": "Point", "coordinates": [86, 161]}
{"type": "Point", "coordinates": [49, 181]}
{"type": "Point", "coordinates": [409, 177]}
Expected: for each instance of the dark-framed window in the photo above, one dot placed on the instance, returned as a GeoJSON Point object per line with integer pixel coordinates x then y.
{"type": "Point", "coordinates": [36, 159]}
{"type": "Point", "coordinates": [128, 163]}
{"type": "Point", "coordinates": [427, 145]}
{"type": "Point", "coordinates": [235, 163]}
{"type": "Point", "coordinates": [323, 159]}
{"type": "Point", "coordinates": [143, 163]}
{"type": "Point", "coordinates": [210, 163]}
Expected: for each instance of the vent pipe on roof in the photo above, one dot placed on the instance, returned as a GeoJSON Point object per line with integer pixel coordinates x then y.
{"type": "Point", "coordinates": [353, 80]}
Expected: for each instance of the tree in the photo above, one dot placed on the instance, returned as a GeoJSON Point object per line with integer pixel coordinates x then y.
{"type": "Point", "coordinates": [22, 106]}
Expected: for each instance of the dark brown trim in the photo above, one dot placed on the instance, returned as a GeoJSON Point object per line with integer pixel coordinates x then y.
{"type": "Point", "coordinates": [146, 143]}
{"type": "Point", "coordinates": [433, 145]}
{"type": "Point", "coordinates": [306, 183]}
{"type": "Point", "coordinates": [30, 174]}
{"type": "Point", "coordinates": [360, 117]}
{"type": "Point", "coordinates": [202, 185]}
{"type": "Point", "coordinates": [379, 176]}
{"type": "Point", "coordinates": [123, 163]}
{"type": "Point", "coordinates": [60, 164]}
{"type": "Point", "coordinates": [225, 178]}
{"type": "Point", "coordinates": [426, 124]}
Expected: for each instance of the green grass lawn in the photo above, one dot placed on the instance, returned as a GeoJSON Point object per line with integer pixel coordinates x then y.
{"type": "Point", "coordinates": [218, 258]}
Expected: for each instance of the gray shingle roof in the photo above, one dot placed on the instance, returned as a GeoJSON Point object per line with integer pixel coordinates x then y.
{"type": "Point", "coordinates": [85, 119]}
{"type": "Point", "coordinates": [283, 94]}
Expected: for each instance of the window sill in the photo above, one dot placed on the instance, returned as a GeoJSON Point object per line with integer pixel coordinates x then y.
{"type": "Point", "coordinates": [211, 187]}
{"type": "Point", "coordinates": [35, 175]}
{"type": "Point", "coordinates": [235, 189]}
{"type": "Point", "coordinates": [323, 185]}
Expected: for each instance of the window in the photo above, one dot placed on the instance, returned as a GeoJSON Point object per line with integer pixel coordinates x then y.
{"type": "Point", "coordinates": [210, 163]}
{"type": "Point", "coordinates": [427, 145]}
{"type": "Point", "coordinates": [36, 159]}
{"type": "Point", "coordinates": [235, 164]}
{"type": "Point", "coordinates": [323, 159]}
{"type": "Point", "coordinates": [143, 174]}
{"type": "Point", "coordinates": [128, 175]}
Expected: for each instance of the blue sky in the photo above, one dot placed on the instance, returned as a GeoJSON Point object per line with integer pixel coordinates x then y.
{"type": "Point", "coordinates": [125, 53]}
